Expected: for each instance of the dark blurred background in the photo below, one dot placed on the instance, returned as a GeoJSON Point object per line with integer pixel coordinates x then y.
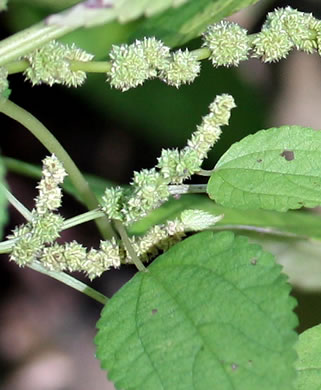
{"type": "Point", "coordinates": [46, 328]}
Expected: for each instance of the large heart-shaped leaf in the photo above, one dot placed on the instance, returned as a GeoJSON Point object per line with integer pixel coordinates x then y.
{"type": "Point", "coordinates": [276, 169]}
{"type": "Point", "coordinates": [213, 312]}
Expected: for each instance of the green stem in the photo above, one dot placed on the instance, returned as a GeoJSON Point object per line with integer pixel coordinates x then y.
{"type": "Point", "coordinates": [6, 246]}
{"type": "Point", "coordinates": [71, 282]}
{"type": "Point", "coordinates": [91, 66]}
{"type": "Point", "coordinates": [17, 204]}
{"type": "Point", "coordinates": [17, 66]}
{"type": "Point", "coordinates": [201, 54]}
{"type": "Point", "coordinates": [127, 244]}
{"type": "Point", "coordinates": [52, 144]}
{"type": "Point", "coordinates": [29, 39]}
{"type": "Point", "coordinates": [82, 218]}
{"type": "Point", "coordinates": [204, 172]}
{"type": "Point", "coordinates": [181, 189]}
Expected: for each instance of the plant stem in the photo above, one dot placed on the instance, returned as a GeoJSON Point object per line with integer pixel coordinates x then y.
{"type": "Point", "coordinates": [204, 172]}
{"type": "Point", "coordinates": [71, 282]}
{"type": "Point", "coordinates": [17, 204]}
{"type": "Point", "coordinates": [91, 66]}
{"type": "Point", "coordinates": [31, 38]}
{"type": "Point", "coordinates": [129, 248]}
{"type": "Point", "coordinates": [201, 54]}
{"type": "Point", "coordinates": [52, 144]}
{"type": "Point", "coordinates": [17, 66]}
{"type": "Point", "coordinates": [6, 246]}
{"type": "Point", "coordinates": [82, 218]}
{"type": "Point", "coordinates": [181, 189]}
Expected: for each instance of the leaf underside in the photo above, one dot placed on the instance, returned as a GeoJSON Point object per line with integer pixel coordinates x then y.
{"type": "Point", "coordinates": [177, 26]}
{"type": "Point", "coordinates": [212, 312]}
{"type": "Point", "coordinates": [276, 169]}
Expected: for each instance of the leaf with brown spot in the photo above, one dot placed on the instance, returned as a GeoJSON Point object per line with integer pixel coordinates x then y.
{"type": "Point", "coordinates": [279, 184]}
{"type": "Point", "coordinates": [288, 155]}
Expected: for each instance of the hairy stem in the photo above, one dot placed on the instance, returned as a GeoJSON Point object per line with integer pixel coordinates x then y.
{"type": "Point", "coordinates": [52, 144]}
{"type": "Point", "coordinates": [129, 248]}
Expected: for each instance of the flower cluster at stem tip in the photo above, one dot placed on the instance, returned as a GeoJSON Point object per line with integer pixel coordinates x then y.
{"type": "Point", "coordinates": [149, 188]}
{"type": "Point", "coordinates": [36, 239]}
{"type": "Point", "coordinates": [227, 42]}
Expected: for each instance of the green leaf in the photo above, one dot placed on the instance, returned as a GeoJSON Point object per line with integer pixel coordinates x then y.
{"type": "Point", "coordinates": [308, 365]}
{"type": "Point", "coordinates": [302, 224]}
{"type": "Point", "coordinates": [122, 10]}
{"type": "Point", "coordinates": [3, 199]}
{"type": "Point", "coordinates": [300, 259]}
{"type": "Point", "coordinates": [178, 26]}
{"type": "Point", "coordinates": [276, 169]}
{"type": "Point", "coordinates": [213, 312]}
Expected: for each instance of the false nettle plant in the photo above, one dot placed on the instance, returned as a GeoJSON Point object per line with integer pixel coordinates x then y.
{"type": "Point", "coordinates": [212, 310]}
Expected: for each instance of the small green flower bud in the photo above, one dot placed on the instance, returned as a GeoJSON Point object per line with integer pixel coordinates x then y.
{"type": "Point", "coordinates": [111, 250]}
{"type": "Point", "coordinates": [182, 69]}
{"type": "Point", "coordinates": [19, 231]}
{"type": "Point", "coordinates": [228, 43]}
{"type": "Point", "coordinates": [26, 248]}
{"type": "Point", "coordinates": [53, 257]}
{"type": "Point", "coordinates": [47, 226]}
{"type": "Point", "coordinates": [301, 27]}
{"type": "Point", "coordinates": [272, 45]}
{"type": "Point", "coordinates": [112, 202]}
{"type": "Point", "coordinates": [50, 65]}
{"type": "Point", "coordinates": [50, 194]}
{"type": "Point", "coordinates": [221, 108]}
{"type": "Point", "coordinates": [75, 256]}
{"type": "Point", "coordinates": [95, 264]}
{"type": "Point", "coordinates": [196, 220]}
{"type": "Point", "coordinates": [53, 169]}
{"type": "Point", "coordinates": [150, 190]}
{"type": "Point", "coordinates": [129, 67]}
{"type": "Point", "coordinates": [190, 162]}
{"type": "Point", "coordinates": [167, 163]}
{"type": "Point", "coordinates": [49, 199]}
{"type": "Point", "coordinates": [155, 52]}
{"type": "Point", "coordinates": [4, 84]}
{"type": "Point", "coordinates": [151, 186]}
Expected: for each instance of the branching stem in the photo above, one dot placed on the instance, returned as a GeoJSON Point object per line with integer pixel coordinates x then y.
{"type": "Point", "coordinates": [52, 144]}
{"type": "Point", "coordinates": [124, 236]}
{"type": "Point", "coordinates": [29, 39]}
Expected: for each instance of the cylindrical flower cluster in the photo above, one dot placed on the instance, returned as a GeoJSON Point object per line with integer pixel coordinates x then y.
{"type": "Point", "coordinates": [50, 193]}
{"type": "Point", "coordinates": [283, 30]}
{"type": "Point", "coordinates": [50, 65]}
{"type": "Point", "coordinates": [132, 64]}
